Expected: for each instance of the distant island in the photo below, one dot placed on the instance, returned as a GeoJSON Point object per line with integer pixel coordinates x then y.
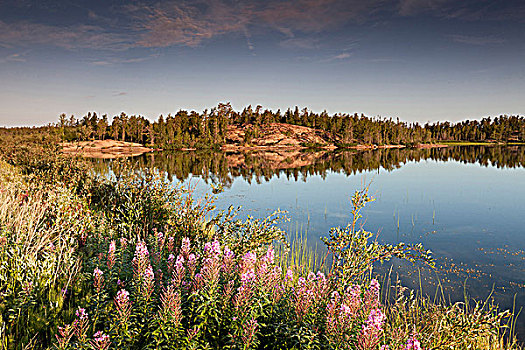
{"type": "Point", "coordinates": [223, 128]}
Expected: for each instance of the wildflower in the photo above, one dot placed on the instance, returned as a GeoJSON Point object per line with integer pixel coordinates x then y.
{"type": "Point", "coordinates": [192, 264]}
{"type": "Point", "coordinates": [148, 282]}
{"type": "Point", "coordinates": [111, 254]}
{"type": "Point", "coordinates": [140, 260]}
{"type": "Point", "coordinates": [171, 260]}
{"type": "Point", "coordinates": [64, 336]}
{"type": "Point", "coordinates": [80, 324]}
{"type": "Point", "coordinates": [170, 310]}
{"type": "Point", "coordinates": [98, 279]}
{"type": "Point", "coordinates": [412, 343]}
{"type": "Point", "coordinates": [123, 243]}
{"type": "Point", "coordinates": [289, 276]}
{"type": "Point", "coordinates": [249, 332]}
{"type": "Point", "coordinates": [213, 248]}
{"type": "Point", "coordinates": [304, 297]}
{"type": "Point", "coordinates": [101, 341]}
{"type": "Point", "coordinates": [123, 305]}
{"type": "Point", "coordinates": [185, 247]}
{"type": "Point", "coordinates": [178, 272]}
{"type": "Point", "coordinates": [227, 261]}
{"type": "Point", "coordinates": [248, 262]}
{"type": "Point", "coordinates": [171, 244]}
{"type": "Point", "coordinates": [81, 314]}
{"type": "Point", "coordinates": [269, 258]}
{"type": "Point", "coordinates": [371, 331]}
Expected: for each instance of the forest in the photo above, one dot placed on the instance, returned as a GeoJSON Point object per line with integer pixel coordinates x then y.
{"type": "Point", "coordinates": [208, 129]}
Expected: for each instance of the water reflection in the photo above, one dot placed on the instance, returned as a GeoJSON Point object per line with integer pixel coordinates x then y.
{"type": "Point", "coordinates": [221, 167]}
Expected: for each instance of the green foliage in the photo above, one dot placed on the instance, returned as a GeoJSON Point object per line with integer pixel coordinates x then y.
{"type": "Point", "coordinates": [353, 255]}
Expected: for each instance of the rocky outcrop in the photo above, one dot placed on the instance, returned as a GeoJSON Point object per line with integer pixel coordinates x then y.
{"type": "Point", "coordinates": [276, 135]}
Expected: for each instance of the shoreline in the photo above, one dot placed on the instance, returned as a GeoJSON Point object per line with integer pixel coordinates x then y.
{"type": "Point", "coordinates": [111, 149]}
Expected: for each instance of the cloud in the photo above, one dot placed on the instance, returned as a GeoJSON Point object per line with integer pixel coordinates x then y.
{"type": "Point", "coordinates": [300, 43]}
{"type": "Point", "coordinates": [187, 24]}
{"type": "Point", "coordinates": [115, 60]}
{"type": "Point", "coordinates": [477, 40]}
{"type": "Point", "coordinates": [72, 37]}
{"type": "Point", "coordinates": [121, 93]}
{"type": "Point", "coordinates": [470, 10]}
{"type": "Point", "coordinates": [190, 23]}
{"type": "Point", "coordinates": [15, 57]}
{"type": "Point", "coordinates": [341, 56]}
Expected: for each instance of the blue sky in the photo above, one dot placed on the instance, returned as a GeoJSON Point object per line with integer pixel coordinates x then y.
{"type": "Point", "coordinates": [419, 60]}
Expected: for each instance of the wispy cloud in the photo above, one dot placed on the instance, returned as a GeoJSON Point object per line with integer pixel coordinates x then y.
{"type": "Point", "coordinates": [176, 23]}
{"type": "Point", "coordinates": [300, 43]}
{"type": "Point", "coordinates": [341, 56]}
{"type": "Point", "coordinates": [191, 23]}
{"type": "Point", "coordinates": [81, 36]}
{"type": "Point", "coordinates": [116, 60]}
{"type": "Point", "coordinates": [15, 57]}
{"type": "Point", "coordinates": [478, 40]}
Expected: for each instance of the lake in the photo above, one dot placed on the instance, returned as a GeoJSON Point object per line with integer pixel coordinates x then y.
{"type": "Point", "coordinates": [465, 203]}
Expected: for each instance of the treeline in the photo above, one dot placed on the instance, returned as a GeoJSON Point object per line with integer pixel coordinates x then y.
{"type": "Point", "coordinates": [209, 129]}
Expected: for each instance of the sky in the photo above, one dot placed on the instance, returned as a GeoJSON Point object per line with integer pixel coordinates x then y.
{"type": "Point", "coordinates": [418, 60]}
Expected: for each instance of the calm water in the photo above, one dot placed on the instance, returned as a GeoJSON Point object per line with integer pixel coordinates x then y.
{"type": "Point", "coordinates": [466, 204]}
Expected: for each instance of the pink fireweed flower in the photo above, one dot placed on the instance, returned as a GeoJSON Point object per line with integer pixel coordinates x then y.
{"type": "Point", "coordinates": [100, 341]}
{"type": "Point", "coordinates": [170, 310]}
{"type": "Point", "coordinates": [98, 279]}
{"type": "Point", "coordinates": [111, 254]}
{"type": "Point", "coordinates": [212, 248]}
{"type": "Point", "coordinates": [228, 260]}
{"type": "Point", "coordinates": [352, 298]}
{"type": "Point", "coordinates": [210, 271]}
{"type": "Point", "coordinates": [248, 262]}
{"type": "Point", "coordinates": [123, 305]}
{"type": "Point", "coordinates": [185, 248]}
{"type": "Point", "coordinates": [250, 328]}
{"type": "Point", "coordinates": [171, 261]}
{"type": "Point", "coordinates": [123, 243]}
{"type": "Point", "coordinates": [227, 292]}
{"type": "Point", "coordinates": [171, 244]}
{"type": "Point", "coordinates": [288, 279]}
{"type": "Point", "coordinates": [269, 257]}
{"type": "Point", "coordinates": [304, 297]}
{"type": "Point", "coordinates": [141, 259]}
{"type": "Point", "coordinates": [242, 299]}
{"type": "Point", "coordinates": [247, 277]}
{"type": "Point", "coordinates": [148, 282]}
{"type": "Point", "coordinates": [178, 271]}
{"type": "Point", "coordinates": [64, 336]}
{"type": "Point", "coordinates": [160, 240]}
{"type": "Point", "coordinates": [197, 282]}
{"type": "Point", "coordinates": [80, 324]}
{"type": "Point", "coordinates": [412, 343]}
{"type": "Point", "coordinates": [370, 334]}
{"type": "Point", "coordinates": [191, 264]}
